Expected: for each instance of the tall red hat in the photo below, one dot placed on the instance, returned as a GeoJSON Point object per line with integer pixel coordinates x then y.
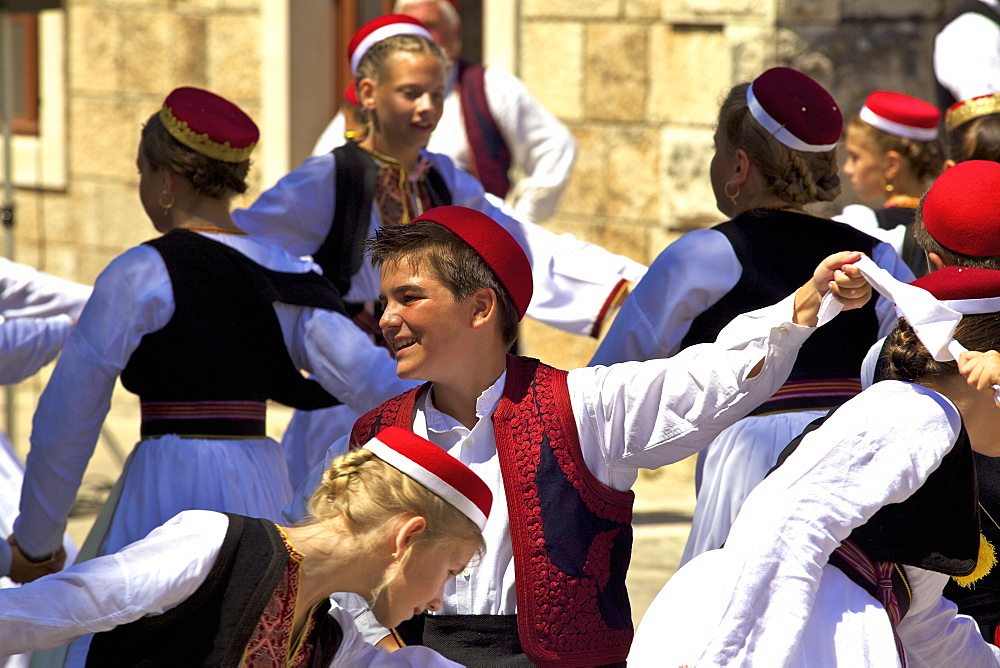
{"type": "Point", "coordinates": [436, 470]}
{"type": "Point", "coordinates": [962, 209]}
{"type": "Point", "coordinates": [964, 289]}
{"type": "Point", "coordinates": [379, 29]}
{"type": "Point", "coordinates": [901, 115]}
{"type": "Point", "coordinates": [208, 124]}
{"type": "Point", "coordinates": [494, 244]}
{"type": "Point", "coordinates": [795, 110]}
{"type": "Point", "coordinates": [964, 111]}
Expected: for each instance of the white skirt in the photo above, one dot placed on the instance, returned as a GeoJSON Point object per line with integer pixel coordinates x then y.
{"type": "Point", "coordinates": [166, 475]}
{"type": "Point", "coordinates": [735, 463]}
{"type": "Point", "coordinates": [310, 434]}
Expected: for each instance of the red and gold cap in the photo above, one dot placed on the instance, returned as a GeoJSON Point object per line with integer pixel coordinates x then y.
{"type": "Point", "coordinates": [436, 470]}
{"type": "Point", "coordinates": [210, 125]}
{"type": "Point", "coordinates": [962, 209]}
{"type": "Point", "coordinates": [964, 111]}
{"type": "Point", "coordinates": [379, 29]}
{"type": "Point", "coordinates": [494, 244]}
{"type": "Point", "coordinates": [795, 110]}
{"type": "Point", "coordinates": [901, 115]}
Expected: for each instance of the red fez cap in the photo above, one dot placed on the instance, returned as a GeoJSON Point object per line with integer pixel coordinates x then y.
{"type": "Point", "coordinates": [351, 93]}
{"type": "Point", "coordinates": [436, 470]}
{"type": "Point", "coordinates": [962, 209]}
{"type": "Point", "coordinates": [964, 111]}
{"type": "Point", "coordinates": [795, 110]}
{"type": "Point", "coordinates": [381, 28]}
{"type": "Point", "coordinates": [901, 115]}
{"type": "Point", "coordinates": [964, 289]}
{"type": "Point", "coordinates": [494, 244]}
{"type": "Point", "coordinates": [208, 124]}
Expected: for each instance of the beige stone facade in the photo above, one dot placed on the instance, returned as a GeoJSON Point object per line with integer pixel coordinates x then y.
{"type": "Point", "coordinates": [637, 81]}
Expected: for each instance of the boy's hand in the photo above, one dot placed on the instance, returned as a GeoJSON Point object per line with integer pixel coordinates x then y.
{"type": "Point", "coordinates": [981, 371]}
{"type": "Point", "coordinates": [837, 273]}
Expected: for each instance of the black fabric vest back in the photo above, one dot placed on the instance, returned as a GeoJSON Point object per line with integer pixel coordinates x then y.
{"type": "Point", "coordinates": [944, 96]}
{"type": "Point", "coordinates": [912, 254]}
{"type": "Point", "coordinates": [224, 341]}
{"type": "Point", "coordinates": [213, 626]}
{"type": "Point", "coordinates": [778, 251]}
{"type": "Point", "coordinates": [341, 253]}
{"type": "Point", "coordinates": [936, 528]}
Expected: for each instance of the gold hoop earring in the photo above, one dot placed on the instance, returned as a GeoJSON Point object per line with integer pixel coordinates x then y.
{"type": "Point", "coordinates": [732, 197]}
{"type": "Point", "coordinates": [169, 203]}
{"type": "Point", "coordinates": [394, 557]}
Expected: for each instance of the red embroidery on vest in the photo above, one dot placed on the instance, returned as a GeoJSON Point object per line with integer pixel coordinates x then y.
{"type": "Point", "coordinates": [559, 621]}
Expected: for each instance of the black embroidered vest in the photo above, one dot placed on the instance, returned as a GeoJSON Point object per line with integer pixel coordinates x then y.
{"type": "Point", "coordinates": [213, 626]}
{"type": "Point", "coordinates": [571, 534]}
{"type": "Point", "coordinates": [224, 341]}
{"type": "Point", "coordinates": [342, 252]}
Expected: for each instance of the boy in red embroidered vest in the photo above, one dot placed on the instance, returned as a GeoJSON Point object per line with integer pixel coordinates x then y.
{"type": "Point", "coordinates": [563, 448]}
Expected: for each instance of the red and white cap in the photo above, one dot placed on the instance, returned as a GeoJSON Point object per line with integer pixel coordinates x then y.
{"type": "Point", "coordinates": [436, 470]}
{"type": "Point", "coordinates": [381, 28]}
{"type": "Point", "coordinates": [964, 289]}
{"type": "Point", "coordinates": [795, 110]}
{"type": "Point", "coordinates": [962, 209]}
{"type": "Point", "coordinates": [494, 244]}
{"type": "Point", "coordinates": [901, 115]}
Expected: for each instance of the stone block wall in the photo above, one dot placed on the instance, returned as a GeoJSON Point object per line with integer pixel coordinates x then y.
{"type": "Point", "coordinates": [639, 83]}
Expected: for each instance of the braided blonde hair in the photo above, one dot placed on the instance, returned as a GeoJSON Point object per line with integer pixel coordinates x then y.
{"type": "Point", "coordinates": [368, 493]}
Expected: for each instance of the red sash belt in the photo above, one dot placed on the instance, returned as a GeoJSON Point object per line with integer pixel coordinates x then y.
{"type": "Point", "coordinates": [204, 419]}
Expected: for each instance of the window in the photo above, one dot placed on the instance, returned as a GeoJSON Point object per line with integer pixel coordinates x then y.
{"type": "Point", "coordinates": [24, 72]}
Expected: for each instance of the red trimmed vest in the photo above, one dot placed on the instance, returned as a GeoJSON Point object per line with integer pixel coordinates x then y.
{"type": "Point", "coordinates": [571, 534]}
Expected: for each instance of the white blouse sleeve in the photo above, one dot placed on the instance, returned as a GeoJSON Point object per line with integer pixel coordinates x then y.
{"type": "Point", "coordinates": [28, 344]}
{"type": "Point", "coordinates": [573, 280]}
{"type": "Point", "coordinates": [297, 212]}
{"type": "Point", "coordinates": [934, 634]}
{"type": "Point", "coordinates": [148, 577]}
{"type": "Point", "coordinates": [26, 292]}
{"type": "Point", "coordinates": [132, 297]}
{"type": "Point", "coordinates": [343, 358]}
{"type": "Point", "coordinates": [647, 414]}
{"type": "Point", "coordinates": [861, 459]}
{"type": "Point", "coordinates": [541, 147]}
{"type": "Point", "coordinates": [685, 280]}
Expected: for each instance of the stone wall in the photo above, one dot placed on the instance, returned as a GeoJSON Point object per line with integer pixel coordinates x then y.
{"type": "Point", "coordinates": [639, 83]}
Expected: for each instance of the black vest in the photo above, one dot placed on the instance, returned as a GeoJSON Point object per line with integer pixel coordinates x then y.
{"type": "Point", "coordinates": [778, 251]}
{"type": "Point", "coordinates": [945, 98]}
{"type": "Point", "coordinates": [341, 253]}
{"type": "Point", "coordinates": [224, 341]}
{"type": "Point", "coordinates": [912, 254]}
{"type": "Point", "coordinates": [213, 626]}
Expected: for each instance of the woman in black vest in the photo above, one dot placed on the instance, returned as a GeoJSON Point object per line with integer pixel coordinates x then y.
{"type": "Point", "coordinates": [893, 155]}
{"type": "Point", "coordinates": [840, 556]}
{"type": "Point", "coordinates": [195, 322]}
{"type": "Point", "coordinates": [392, 522]}
{"type": "Point", "coordinates": [775, 152]}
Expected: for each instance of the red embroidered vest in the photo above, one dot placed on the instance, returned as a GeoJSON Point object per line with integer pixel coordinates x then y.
{"type": "Point", "coordinates": [571, 534]}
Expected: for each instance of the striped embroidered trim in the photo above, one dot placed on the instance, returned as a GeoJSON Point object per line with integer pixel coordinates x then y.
{"type": "Point", "coordinates": [204, 419]}
{"type": "Point", "coordinates": [810, 394]}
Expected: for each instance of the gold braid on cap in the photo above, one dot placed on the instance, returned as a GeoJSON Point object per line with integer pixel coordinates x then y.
{"type": "Point", "coordinates": [967, 110]}
{"type": "Point", "coordinates": [202, 143]}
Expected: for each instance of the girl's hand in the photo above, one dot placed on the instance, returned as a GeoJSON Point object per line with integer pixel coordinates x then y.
{"type": "Point", "coordinates": [837, 273]}
{"type": "Point", "coordinates": [981, 370]}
